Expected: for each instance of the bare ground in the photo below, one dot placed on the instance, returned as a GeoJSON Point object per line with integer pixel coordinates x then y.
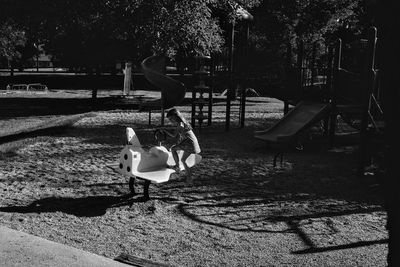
{"type": "Point", "coordinates": [240, 211]}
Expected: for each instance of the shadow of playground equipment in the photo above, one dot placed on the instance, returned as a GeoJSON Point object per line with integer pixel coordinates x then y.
{"type": "Point", "coordinates": [315, 200]}
{"type": "Point", "coordinates": [228, 215]}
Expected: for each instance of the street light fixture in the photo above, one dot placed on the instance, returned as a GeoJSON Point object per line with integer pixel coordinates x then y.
{"type": "Point", "coordinates": [37, 56]}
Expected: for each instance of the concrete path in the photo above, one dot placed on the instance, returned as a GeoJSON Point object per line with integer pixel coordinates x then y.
{"type": "Point", "coordinates": [21, 249]}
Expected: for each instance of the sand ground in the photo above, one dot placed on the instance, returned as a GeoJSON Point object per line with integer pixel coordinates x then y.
{"type": "Point", "coordinates": [241, 211]}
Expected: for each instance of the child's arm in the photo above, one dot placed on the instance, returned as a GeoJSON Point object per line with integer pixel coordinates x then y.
{"type": "Point", "coordinates": [174, 134]}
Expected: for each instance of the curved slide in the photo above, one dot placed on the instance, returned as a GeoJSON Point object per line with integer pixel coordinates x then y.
{"type": "Point", "coordinates": [172, 91]}
{"type": "Point", "coordinates": [303, 115]}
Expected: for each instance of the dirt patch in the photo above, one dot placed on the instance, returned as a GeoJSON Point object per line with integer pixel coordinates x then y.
{"type": "Point", "coordinates": [241, 211]}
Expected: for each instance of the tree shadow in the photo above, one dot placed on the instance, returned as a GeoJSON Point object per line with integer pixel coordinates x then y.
{"type": "Point", "coordinates": [112, 134]}
{"type": "Point", "coordinates": [82, 207]}
{"type": "Point", "coordinates": [44, 106]}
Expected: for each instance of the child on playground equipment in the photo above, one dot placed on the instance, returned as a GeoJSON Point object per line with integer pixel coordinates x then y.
{"type": "Point", "coordinates": [186, 141]}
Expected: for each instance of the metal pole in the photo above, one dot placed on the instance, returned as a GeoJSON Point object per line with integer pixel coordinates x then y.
{"type": "Point", "coordinates": [246, 74]}
{"type": "Point", "coordinates": [230, 89]}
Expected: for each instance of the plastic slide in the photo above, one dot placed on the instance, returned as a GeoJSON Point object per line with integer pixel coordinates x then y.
{"type": "Point", "coordinates": [172, 91]}
{"type": "Point", "coordinates": [300, 117]}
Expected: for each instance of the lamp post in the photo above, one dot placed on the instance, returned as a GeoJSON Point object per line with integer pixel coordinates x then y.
{"type": "Point", "coordinates": [37, 56]}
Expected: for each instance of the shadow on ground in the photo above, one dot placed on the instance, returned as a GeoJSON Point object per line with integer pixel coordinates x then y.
{"type": "Point", "coordinates": [82, 207]}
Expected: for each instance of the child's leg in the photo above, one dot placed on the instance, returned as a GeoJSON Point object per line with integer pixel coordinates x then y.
{"type": "Point", "coordinates": [187, 169]}
{"type": "Point", "coordinates": [175, 155]}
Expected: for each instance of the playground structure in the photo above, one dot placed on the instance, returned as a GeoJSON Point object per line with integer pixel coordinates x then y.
{"type": "Point", "coordinates": [238, 64]}
{"type": "Point", "coordinates": [306, 87]}
{"type": "Point", "coordinates": [203, 77]}
{"type": "Point", "coordinates": [328, 82]}
{"type": "Point", "coordinates": [199, 101]}
{"type": "Point", "coordinates": [309, 78]}
{"type": "Point", "coordinates": [150, 165]}
{"type": "Point", "coordinates": [285, 132]}
{"type": "Point", "coordinates": [353, 96]}
{"type": "Point", "coordinates": [201, 83]}
{"type": "Point", "coordinates": [356, 96]}
{"type": "Point", "coordinates": [172, 91]}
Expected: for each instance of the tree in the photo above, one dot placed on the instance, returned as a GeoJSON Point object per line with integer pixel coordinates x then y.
{"type": "Point", "coordinates": [94, 32]}
{"type": "Point", "coordinates": [280, 26]}
{"type": "Point", "coordinates": [97, 31]}
{"type": "Point", "coordinates": [11, 39]}
{"type": "Point", "coordinates": [388, 20]}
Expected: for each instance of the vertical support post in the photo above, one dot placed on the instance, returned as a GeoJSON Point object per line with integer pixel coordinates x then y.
{"type": "Point", "coordinates": [286, 68]}
{"type": "Point", "coordinates": [94, 89]}
{"type": "Point", "coordinates": [300, 74]}
{"type": "Point", "coordinates": [193, 107]}
{"type": "Point", "coordinates": [94, 93]}
{"type": "Point", "coordinates": [336, 68]}
{"type": "Point", "coordinates": [211, 90]}
{"type": "Point", "coordinates": [162, 109]}
{"type": "Point", "coordinates": [246, 76]}
{"type": "Point", "coordinates": [231, 87]}
{"type": "Point", "coordinates": [150, 117]}
{"type": "Point", "coordinates": [201, 73]}
{"type": "Point", "coordinates": [242, 107]}
{"type": "Point", "coordinates": [200, 89]}
{"type": "Point", "coordinates": [313, 70]}
{"type": "Point", "coordinates": [285, 107]}
{"type": "Point", "coordinates": [328, 86]}
{"type": "Point", "coordinates": [368, 77]}
{"type": "Point", "coordinates": [36, 56]}
{"type": "Point", "coordinates": [146, 186]}
{"type": "Point", "coordinates": [329, 73]}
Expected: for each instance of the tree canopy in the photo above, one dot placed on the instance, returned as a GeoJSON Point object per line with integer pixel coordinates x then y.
{"type": "Point", "coordinates": [11, 39]}
{"type": "Point", "coordinates": [280, 26]}
{"type": "Point", "coordinates": [93, 32]}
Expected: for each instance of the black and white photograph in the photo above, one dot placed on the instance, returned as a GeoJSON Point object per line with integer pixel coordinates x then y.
{"type": "Point", "coordinates": [189, 133]}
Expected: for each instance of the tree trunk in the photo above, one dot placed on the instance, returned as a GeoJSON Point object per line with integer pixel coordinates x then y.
{"type": "Point", "coordinates": [388, 19]}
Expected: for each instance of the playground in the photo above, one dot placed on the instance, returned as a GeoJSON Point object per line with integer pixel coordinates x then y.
{"type": "Point", "coordinates": [320, 204]}
{"type": "Point", "coordinates": [311, 210]}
